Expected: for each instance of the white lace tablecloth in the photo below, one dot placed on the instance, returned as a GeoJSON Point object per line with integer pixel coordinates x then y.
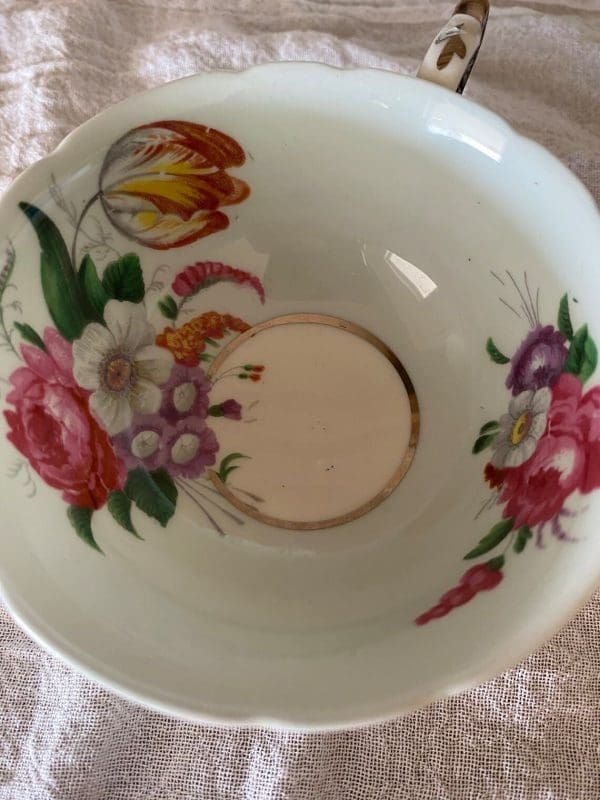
{"type": "Point", "coordinates": [534, 732]}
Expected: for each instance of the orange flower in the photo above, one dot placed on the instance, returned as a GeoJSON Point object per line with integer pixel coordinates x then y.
{"type": "Point", "coordinates": [162, 184]}
{"type": "Point", "coordinates": [187, 343]}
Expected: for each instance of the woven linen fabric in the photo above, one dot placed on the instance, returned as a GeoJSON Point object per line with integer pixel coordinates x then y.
{"type": "Point", "coordinates": [534, 732]}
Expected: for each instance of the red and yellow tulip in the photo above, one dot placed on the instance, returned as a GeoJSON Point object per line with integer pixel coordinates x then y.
{"type": "Point", "coordinates": [163, 184]}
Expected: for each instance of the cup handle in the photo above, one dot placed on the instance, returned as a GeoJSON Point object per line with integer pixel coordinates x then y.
{"type": "Point", "coordinates": [450, 58]}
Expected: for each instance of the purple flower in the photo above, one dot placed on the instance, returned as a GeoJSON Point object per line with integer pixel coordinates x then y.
{"type": "Point", "coordinates": [539, 360]}
{"type": "Point", "coordinates": [230, 409]}
{"type": "Point", "coordinates": [191, 447]}
{"type": "Point", "coordinates": [143, 444]}
{"type": "Point", "coordinates": [185, 394]}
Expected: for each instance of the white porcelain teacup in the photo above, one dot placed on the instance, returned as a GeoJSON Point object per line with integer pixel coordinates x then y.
{"type": "Point", "coordinates": [325, 341]}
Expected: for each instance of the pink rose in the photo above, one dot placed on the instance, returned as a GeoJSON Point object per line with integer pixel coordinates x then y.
{"type": "Point", "coordinates": [587, 425]}
{"type": "Point", "coordinates": [536, 491]}
{"type": "Point", "coordinates": [53, 428]}
{"type": "Point", "coordinates": [566, 459]}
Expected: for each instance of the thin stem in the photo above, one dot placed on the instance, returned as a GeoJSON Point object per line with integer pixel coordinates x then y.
{"type": "Point", "coordinates": [539, 535]}
{"type": "Point", "coordinates": [523, 299]}
{"type": "Point", "coordinates": [193, 488]}
{"type": "Point", "coordinates": [211, 519]}
{"type": "Point", "coordinates": [180, 305]}
{"type": "Point", "coordinates": [502, 300]}
{"type": "Point", "coordinates": [155, 285]}
{"type": "Point", "coordinates": [208, 488]}
{"type": "Point", "coordinates": [231, 372]}
{"type": "Point", "coordinates": [86, 208]}
{"type": "Point", "coordinates": [527, 313]}
{"type": "Point", "coordinates": [5, 276]}
{"type": "Point", "coordinates": [488, 503]}
{"type": "Point", "coordinates": [559, 531]}
{"type": "Point", "coordinates": [5, 333]}
{"type": "Point", "coordinates": [531, 303]}
{"type": "Point", "coordinates": [29, 484]}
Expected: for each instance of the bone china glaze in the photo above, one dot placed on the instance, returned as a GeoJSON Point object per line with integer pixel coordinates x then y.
{"type": "Point", "coordinates": [139, 295]}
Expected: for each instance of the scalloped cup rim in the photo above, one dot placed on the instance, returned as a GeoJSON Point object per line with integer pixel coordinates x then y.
{"type": "Point", "coordinates": [291, 67]}
{"type": "Point", "coordinates": [27, 184]}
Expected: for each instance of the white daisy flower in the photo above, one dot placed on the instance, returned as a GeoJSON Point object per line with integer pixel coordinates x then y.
{"type": "Point", "coordinates": [121, 365]}
{"type": "Point", "coordinates": [521, 428]}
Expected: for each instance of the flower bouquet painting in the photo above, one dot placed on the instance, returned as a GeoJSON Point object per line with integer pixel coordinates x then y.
{"type": "Point", "coordinates": [544, 449]}
{"type": "Point", "coordinates": [106, 409]}
{"type": "Point", "coordinates": [113, 411]}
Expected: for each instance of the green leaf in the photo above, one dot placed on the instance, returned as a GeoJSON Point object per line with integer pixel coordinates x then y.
{"type": "Point", "coordinates": [496, 563]}
{"type": "Point", "coordinates": [168, 307]}
{"type": "Point", "coordinates": [522, 538]}
{"type": "Point", "coordinates": [31, 336]}
{"type": "Point", "coordinates": [119, 506]}
{"type": "Point", "coordinates": [576, 351]}
{"type": "Point", "coordinates": [66, 306]}
{"type": "Point", "coordinates": [229, 459]}
{"type": "Point", "coordinates": [215, 411]}
{"type": "Point", "coordinates": [489, 426]}
{"type": "Point", "coordinates": [165, 483]}
{"type": "Point", "coordinates": [499, 532]}
{"type": "Point", "coordinates": [92, 288]}
{"type": "Point", "coordinates": [81, 520]}
{"type": "Point", "coordinates": [148, 495]}
{"type": "Point", "coordinates": [484, 441]}
{"type": "Point", "coordinates": [582, 357]}
{"type": "Point", "coordinates": [123, 279]}
{"type": "Point", "coordinates": [226, 467]}
{"type": "Point", "coordinates": [227, 472]}
{"type": "Point", "coordinates": [63, 304]}
{"type": "Point", "coordinates": [590, 361]}
{"type": "Point", "coordinates": [495, 354]}
{"type": "Point", "coordinates": [564, 318]}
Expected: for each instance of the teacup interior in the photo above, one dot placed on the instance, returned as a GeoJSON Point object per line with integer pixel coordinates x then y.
{"type": "Point", "coordinates": [423, 219]}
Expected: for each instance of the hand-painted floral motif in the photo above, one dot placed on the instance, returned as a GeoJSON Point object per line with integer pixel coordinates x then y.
{"type": "Point", "coordinates": [539, 360]}
{"type": "Point", "coordinates": [52, 426]}
{"type": "Point", "coordinates": [204, 273]}
{"type": "Point", "coordinates": [119, 362]}
{"type": "Point", "coordinates": [143, 443]}
{"type": "Point", "coordinates": [185, 394]}
{"type": "Point", "coordinates": [163, 184]}
{"type": "Point", "coordinates": [230, 409]}
{"type": "Point", "coordinates": [479, 578]}
{"type": "Point", "coordinates": [520, 429]}
{"type": "Point", "coordinates": [191, 447]}
{"type": "Point", "coordinates": [545, 449]}
{"type": "Point", "coordinates": [189, 341]}
{"type": "Point", "coordinates": [105, 408]}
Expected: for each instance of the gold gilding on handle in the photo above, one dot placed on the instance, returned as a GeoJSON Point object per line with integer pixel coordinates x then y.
{"type": "Point", "coordinates": [452, 54]}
